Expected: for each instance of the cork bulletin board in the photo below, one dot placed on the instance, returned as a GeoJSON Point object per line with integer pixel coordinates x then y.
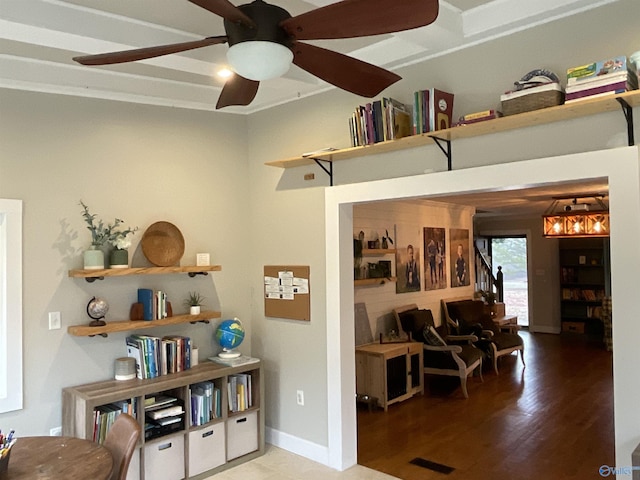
{"type": "Point", "coordinates": [287, 292]}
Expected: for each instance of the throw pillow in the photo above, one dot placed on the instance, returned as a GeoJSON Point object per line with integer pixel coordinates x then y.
{"type": "Point", "coordinates": [431, 337]}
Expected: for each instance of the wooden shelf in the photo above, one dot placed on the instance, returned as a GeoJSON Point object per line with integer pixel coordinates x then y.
{"type": "Point", "coordinates": [378, 251]}
{"type": "Point", "coordinates": [373, 281]}
{"type": "Point", "coordinates": [543, 116]}
{"type": "Point", "coordinates": [120, 272]}
{"type": "Point", "coordinates": [126, 325]}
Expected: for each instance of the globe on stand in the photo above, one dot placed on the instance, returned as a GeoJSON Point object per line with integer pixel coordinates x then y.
{"type": "Point", "coordinates": [229, 335]}
{"type": "Point", "coordinates": [97, 308]}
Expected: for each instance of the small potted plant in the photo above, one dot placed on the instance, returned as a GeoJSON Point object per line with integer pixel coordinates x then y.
{"type": "Point", "coordinates": [194, 302]}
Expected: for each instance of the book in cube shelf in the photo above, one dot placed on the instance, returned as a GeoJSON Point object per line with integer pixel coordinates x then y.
{"type": "Point", "coordinates": [239, 391]}
{"type": "Point", "coordinates": [105, 415]}
{"type": "Point", "coordinates": [206, 403]}
{"type": "Point", "coordinates": [163, 414]}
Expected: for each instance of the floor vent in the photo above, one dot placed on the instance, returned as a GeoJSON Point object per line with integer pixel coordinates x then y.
{"type": "Point", "coordinates": [436, 467]}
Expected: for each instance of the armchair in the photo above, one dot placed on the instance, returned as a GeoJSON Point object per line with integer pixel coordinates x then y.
{"type": "Point", "coordinates": [470, 312]}
{"type": "Point", "coordinates": [440, 357]}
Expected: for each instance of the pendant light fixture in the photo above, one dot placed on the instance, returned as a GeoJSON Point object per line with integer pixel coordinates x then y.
{"type": "Point", "coordinates": [577, 218]}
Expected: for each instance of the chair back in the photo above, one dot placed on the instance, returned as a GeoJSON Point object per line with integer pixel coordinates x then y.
{"type": "Point", "coordinates": [121, 441]}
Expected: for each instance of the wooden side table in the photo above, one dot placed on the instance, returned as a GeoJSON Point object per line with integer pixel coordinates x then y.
{"type": "Point", "coordinates": [390, 372]}
{"type": "Point", "coordinates": [507, 322]}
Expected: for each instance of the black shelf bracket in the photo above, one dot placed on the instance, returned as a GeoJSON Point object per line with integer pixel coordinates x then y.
{"type": "Point", "coordinates": [328, 171]}
{"type": "Point", "coordinates": [103, 335]}
{"type": "Point", "coordinates": [193, 274]}
{"type": "Point", "coordinates": [206, 322]}
{"type": "Point", "coordinates": [628, 115]}
{"type": "Point", "coordinates": [93, 279]}
{"type": "Point", "coordinates": [445, 146]}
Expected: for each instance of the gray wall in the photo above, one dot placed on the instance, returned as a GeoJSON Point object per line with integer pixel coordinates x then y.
{"type": "Point", "coordinates": [142, 164]}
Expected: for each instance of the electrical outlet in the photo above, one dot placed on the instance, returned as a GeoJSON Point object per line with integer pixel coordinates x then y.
{"type": "Point", "coordinates": [54, 320]}
{"type": "Point", "coordinates": [55, 432]}
{"type": "Point", "coordinates": [300, 397]}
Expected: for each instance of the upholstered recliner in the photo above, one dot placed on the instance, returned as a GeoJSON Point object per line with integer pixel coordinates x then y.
{"type": "Point", "coordinates": [466, 313]}
{"type": "Point", "coordinates": [440, 357]}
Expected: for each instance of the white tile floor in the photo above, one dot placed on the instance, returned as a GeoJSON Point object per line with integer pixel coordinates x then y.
{"type": "Point", "coordinates": [279, 464]}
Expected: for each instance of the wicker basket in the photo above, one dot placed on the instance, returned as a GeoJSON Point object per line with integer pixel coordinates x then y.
{"type": "Point", "coordinates": [530, 99]}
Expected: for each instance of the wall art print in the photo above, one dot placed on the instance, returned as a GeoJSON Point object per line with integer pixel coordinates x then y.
{"type": "Point", "coordinates": [407, 259]}
{"type": "Point", "coordinates": [459, 257]}
{"type": "Point", "coordinates": [435, 259]}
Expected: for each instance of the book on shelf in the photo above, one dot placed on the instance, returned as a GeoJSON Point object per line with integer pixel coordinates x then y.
{"type": "Point", "coordinates": [205, 403]}
{"type": "Point", "coordinates": [379, 121]}
{"type": "Point", "coordinates": [619, 87]}
{"type": "Point", "coordinates": [170, 411]}
{"type": "Point", "coordinates": [440, 109]}
{"type": "Point", "coordinates": [155, 356]}
{"type": "Point", "coordinates": [595, 70]}
{"type": "Point", "coordinates": [239, 391]}
{"type": "Point", "coordinates": [105, 415]}
{"type": "Point", "coordinates": [154, 304]}
{"type": "Point", "coordinates": [479, 117]}
{"type": "Point", "coordinates": [621, 77]}
{"type": "Point", "coordinates": [594, 95]}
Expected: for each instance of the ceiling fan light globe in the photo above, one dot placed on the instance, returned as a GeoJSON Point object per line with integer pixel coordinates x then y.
{"type": "Point", "coordinates": [259, 60]}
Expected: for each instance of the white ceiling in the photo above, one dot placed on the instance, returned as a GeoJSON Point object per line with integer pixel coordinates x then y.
{"type": "Point", "coordinates": [38, 38]}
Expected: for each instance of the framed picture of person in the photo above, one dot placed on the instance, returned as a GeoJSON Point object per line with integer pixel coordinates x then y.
{"type": "Point", "coordinates": [459, 257]}
{"type": "Point", "coordinates": [408, 260]}
{"type": "Point", "coordinates": [435, 259]}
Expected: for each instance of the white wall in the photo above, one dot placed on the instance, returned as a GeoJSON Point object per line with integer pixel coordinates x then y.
{"type": "Point", "coordinates": [402, 217]}
{"type": "Point", "coordinates": [142, 164]}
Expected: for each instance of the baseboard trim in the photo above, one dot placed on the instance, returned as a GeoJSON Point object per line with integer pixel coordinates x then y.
{"type": "Point", "coordinates": [299, 446]}
{"type": "Point", "coordinates": [543, 329]}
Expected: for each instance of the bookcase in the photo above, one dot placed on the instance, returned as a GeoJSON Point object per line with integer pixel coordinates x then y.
{"type": "Point", "coordinates": [584, 274]}
{"type": "Point", "coordinates": [180, 449]}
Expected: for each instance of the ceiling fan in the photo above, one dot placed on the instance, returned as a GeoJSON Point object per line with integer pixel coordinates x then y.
{"type": "Point", "coordinates": [264, 40]}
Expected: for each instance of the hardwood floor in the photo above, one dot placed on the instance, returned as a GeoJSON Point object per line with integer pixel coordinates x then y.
{"type": "Point", "coordinates": [550, 420]}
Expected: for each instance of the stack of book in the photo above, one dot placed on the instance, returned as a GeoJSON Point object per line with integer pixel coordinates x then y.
{"type": "Point", "coordinates": [157, 356]}
{"type": "Point", "coordinates": [379, 121]}
{"type": "Point", "coordinates": [476, 117]}
{"type": "Point", "coordinates": [606, 77]}
{"type": "Point", "coordinates": [432, 110]}
{"type": "Point", "coordinates": [239, 392]}
{"type": "Point", "coordinates": [205, 403]}
{"type": "Point", "coordinates": [164, 414]}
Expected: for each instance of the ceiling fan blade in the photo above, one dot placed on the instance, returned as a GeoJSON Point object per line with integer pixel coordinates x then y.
{"type": "Point", "coordinates": [345, 72]}
{"type": "Point", "coordinates": [226, 10]}
{"type": "Point", "coordinates": [237, 91]}
{"type": "Point", "coordinates": [360, 18]}
{"type": "Point", "coordinates": [148, 52]}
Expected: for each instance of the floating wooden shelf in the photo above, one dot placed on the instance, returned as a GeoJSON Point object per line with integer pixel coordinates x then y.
{"type": "Point", "coordinates": [373, 281]}
{"type": "Point", "coordinates": [543, 116]}
{"type": "Point", "coordinates": [378, 251]}
{"type": "Point", "coordinates": [126, 325]}
{"type": "Point", "coordinates": [91, 275]}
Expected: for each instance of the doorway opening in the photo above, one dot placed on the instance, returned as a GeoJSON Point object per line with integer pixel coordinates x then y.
{"type": "Point", "coordinates": [510, 253]}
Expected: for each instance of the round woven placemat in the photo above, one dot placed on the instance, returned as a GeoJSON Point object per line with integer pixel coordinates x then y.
{"type": "Point", "coordinates": [163, 244]}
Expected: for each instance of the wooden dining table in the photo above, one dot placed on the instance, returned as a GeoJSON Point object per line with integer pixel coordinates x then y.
{"type": "Point", "coordinates": [58, 458]}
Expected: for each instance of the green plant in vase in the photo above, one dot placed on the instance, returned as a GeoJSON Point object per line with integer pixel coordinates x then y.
{"type": "Point", "coordinates": [100, 235]}
{"type": "Point", "coordinates": [194, 302]}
